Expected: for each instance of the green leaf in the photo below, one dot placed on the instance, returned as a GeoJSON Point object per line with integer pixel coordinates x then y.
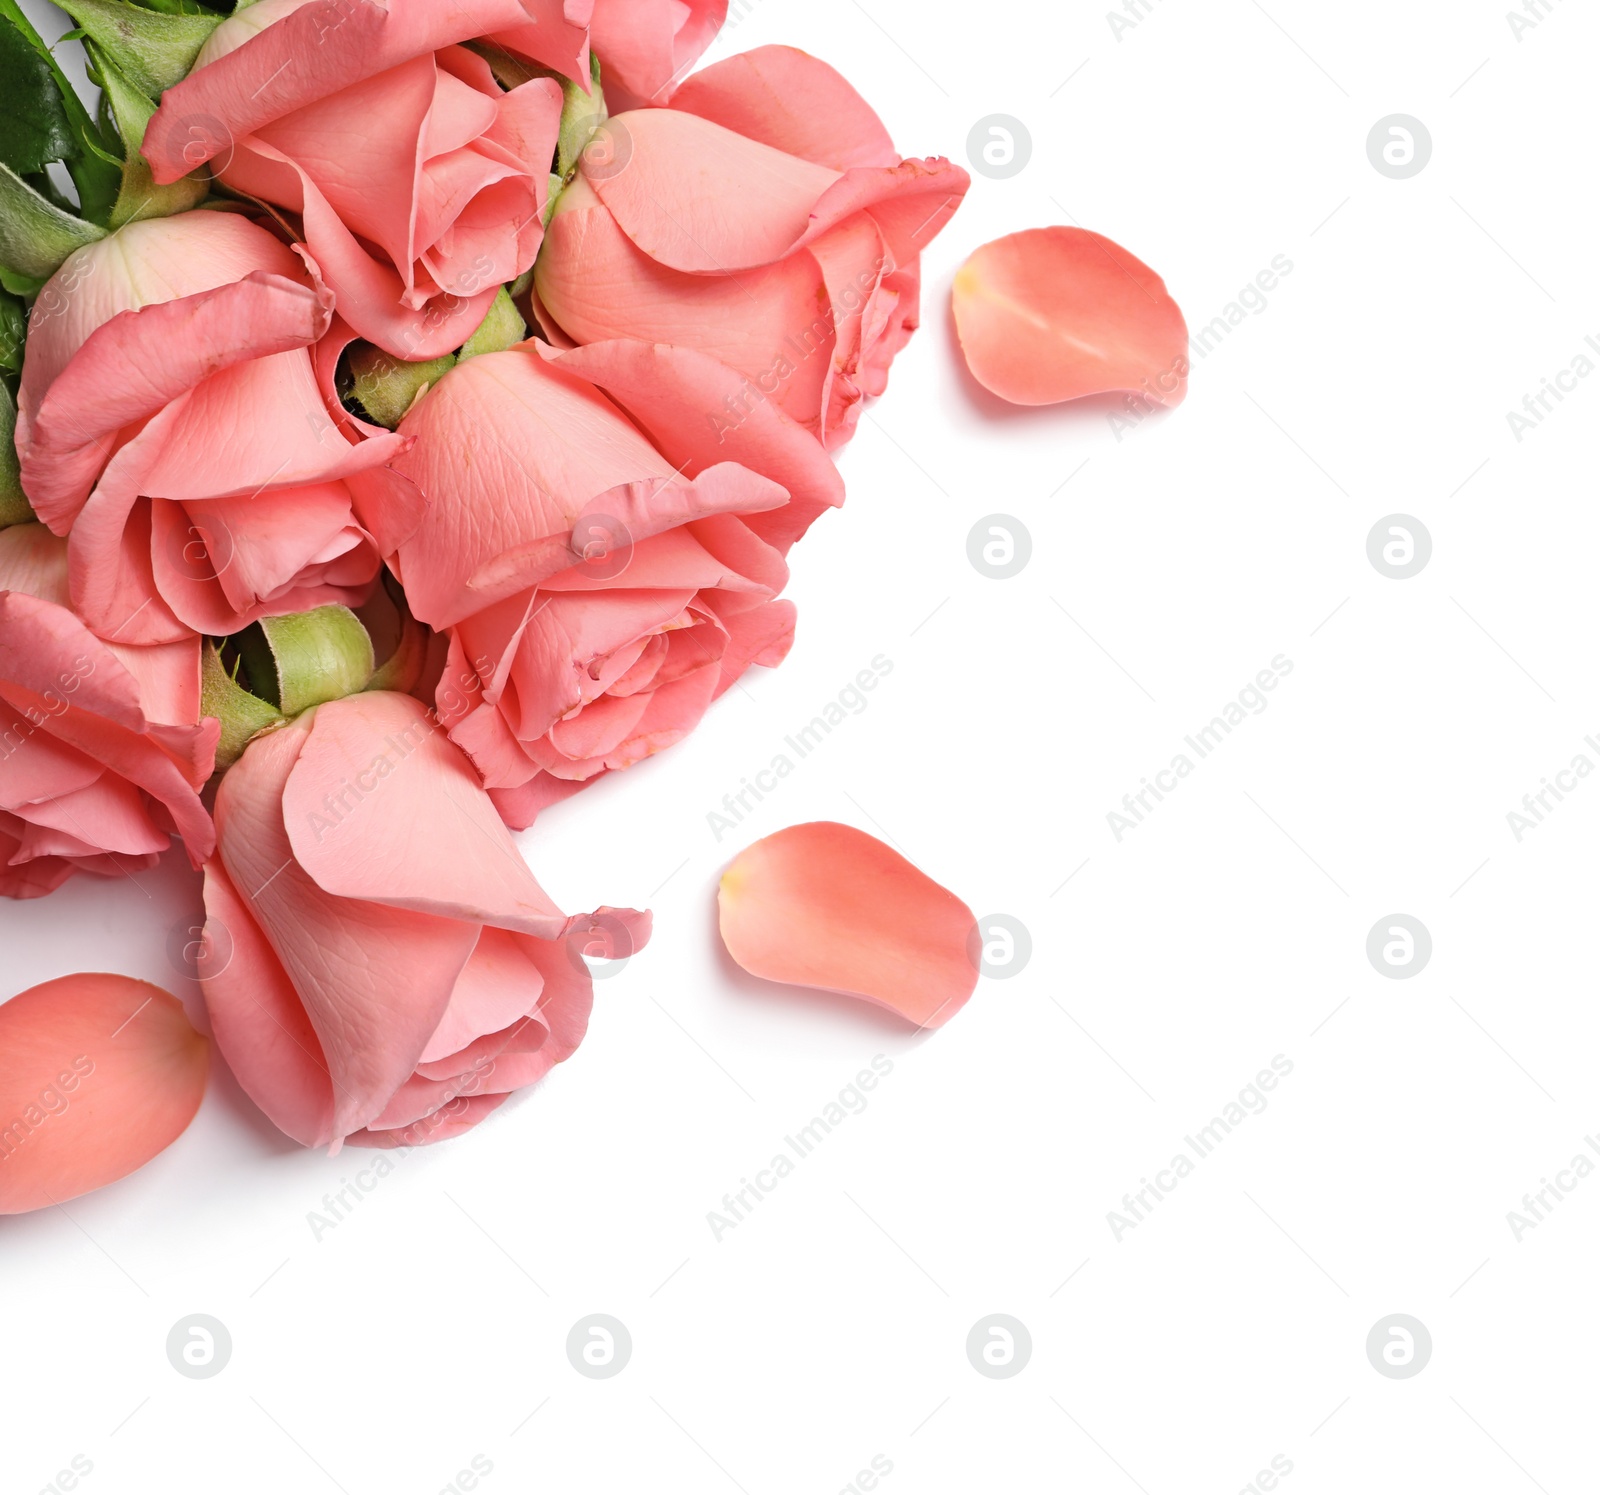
{"type": "Point", "coordinates": [35, 235]}
{"type": "Point", "coordinates": [139, 196]}
{"type": "Point", "coordinates": [153, 50]}
{"type": "Point", "coordinates": [33, 121]}
{"type": "Point", "coordinates": [95, 170]}
{"type": "Point", "coordinates": [14, 508]}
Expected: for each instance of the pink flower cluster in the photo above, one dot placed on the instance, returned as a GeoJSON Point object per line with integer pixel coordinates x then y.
{"type": "Point", "coordinates": [584, 531]}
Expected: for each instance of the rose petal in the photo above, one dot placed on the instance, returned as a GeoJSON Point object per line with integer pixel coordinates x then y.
{"type": "Point", "coordinates": [829, 906]}
{"type": "Point", "coordinates": [792, 101]}
{"type": "Point", "coordinates": [98, 1074]}
{"type": "Point", "coordinates": [374, 980]}
{"type": "Point", "coordinates": [34, 561]}
{"type": "Point", "coordinates": [258, 67]}
{"type": "Point", "coordinates": [430, 842]}
{"type": "Point", "coordinates": [645, 46]}
{"type": "Point", "coordinates": [1054, 314]}
{"type": "Point", "coordinates": [257, 1018]}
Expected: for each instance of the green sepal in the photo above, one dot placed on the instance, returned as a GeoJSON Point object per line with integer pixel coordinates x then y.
{"type": "Point", "coordinates": [386, 386]}
{"type": "Point", "coordinates": [18, 284]}
{"type": "Point", "coordinates": [14, 506]}
{"type": "Point", "coordinates": [503, 328]}
{"type": "Point", "coordinates": [241, 715]}
{"type": "Point", "coordinates": [13, 333]}
{"type": "Point", "coordinates": [35, 235]}
{"type": "Point", "coordinates": [301, 660]}
{"type": "Point", "coordinates": [153, 50]}
{"type": "Point", "coordinates": [582, 113]}
{"type": "Point", "coordinates": [180, 7]}
{"type": "Point", "coordinates": [139, 196]}
{"type": "Point", "coordinates": [509, 72]}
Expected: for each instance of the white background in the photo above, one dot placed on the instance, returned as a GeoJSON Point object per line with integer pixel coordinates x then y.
{"type": "Point", "coordinates": [1167, 969]}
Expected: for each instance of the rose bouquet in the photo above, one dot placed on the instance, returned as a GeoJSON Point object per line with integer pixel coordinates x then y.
{"type": "Point", "coordinates": [408, 410]}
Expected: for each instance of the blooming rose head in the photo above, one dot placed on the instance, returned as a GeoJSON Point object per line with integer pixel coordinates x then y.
{"type": "Point", "coordinates": [600, 585]}
{"type": "Point", "coordinates": [170, 418]}
{"type": "Point", "coordinates": [420, 181]}
{"type": "Point", "coordinates": [378, 963]}
{"type": "Point", "coordinates": [764, 218]}
{"type": "Point", "coordinates": [102, 750]}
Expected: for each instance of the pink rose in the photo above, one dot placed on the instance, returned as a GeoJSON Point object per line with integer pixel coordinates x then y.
{"type": "Point", "coordinates": [379, 965]}
{"type": "Point", "coordinates": [764, 218]}
{"type": "Point", "coordinates": [421, 183]}
{"type": "Point", "coordinates": [171, 422]}
{"type": "Point", "coordinates": [601, 583]}
{"type": "Point", "coordinates": [102, 750]}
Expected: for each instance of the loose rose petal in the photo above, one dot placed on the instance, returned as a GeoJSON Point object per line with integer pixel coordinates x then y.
{"type": "Point", "coordinates": [829, 906]}
{"type": "Point", "coordinates": [98, 1074]}
{"type": "Point", "coordinates": [1054, 314]}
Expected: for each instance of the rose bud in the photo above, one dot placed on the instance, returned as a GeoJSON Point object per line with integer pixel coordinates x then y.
{"type": "Point", "coordinates": [98, 1074]}
{"type": "Point", "coordinates": [764, 218]}
{"type": "Point", "coordinates": [378, 962]}
{"type": "Point", "coordinates": [420, 181]}
{"type": "Point", "coordinates": [102, 749]}
{"type": "Point", "coordinates": [171, 419]}
{"type": "Point", "coordinates": [601, 586]}
{"type": "Point", "coordinates": [829, 906]}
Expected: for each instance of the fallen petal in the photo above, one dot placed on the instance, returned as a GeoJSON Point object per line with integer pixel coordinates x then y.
{"type": "Point", "coordinates": [829, 906]}
{"type": "Point", "coordinates": [98, 1074]}
{"type": "Point", "coordinates": [1054, 314]}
